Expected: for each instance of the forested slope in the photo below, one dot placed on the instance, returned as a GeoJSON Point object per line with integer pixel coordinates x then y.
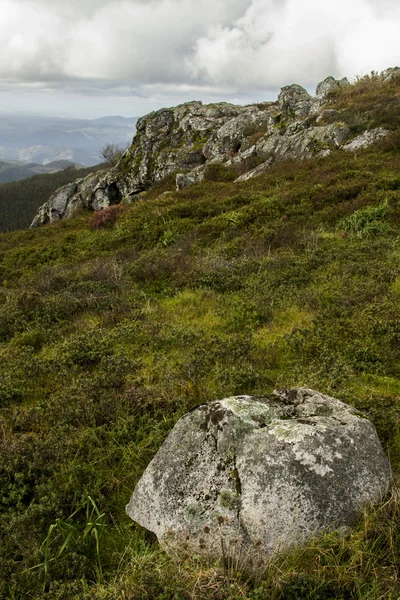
{"type": "Point", "coordinates": [20, 200]}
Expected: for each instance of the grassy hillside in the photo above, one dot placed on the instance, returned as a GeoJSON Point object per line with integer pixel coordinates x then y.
{"type": "Point", "coordinates": [113, 325]}
{"type": "Point", "coordinates": [20, 200]}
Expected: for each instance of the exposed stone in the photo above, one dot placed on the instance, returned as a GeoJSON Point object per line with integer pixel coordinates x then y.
{"type": "Point", "coordinates": [366, 139]}
{"type": "Point", "coordinates": [259, 170]}
{"type": "Point", "coordinates": [295, 101]}
{"type": "Point", "coordinates": [331, 85]}
{"type": "Point", "coordinates": [230, 137]}
{"type": "Point", "coordinates": [304, 143]}
{"type": "Point", "coordinates": [245, 477]}
{"type": "Point", "coordinates": [185, 179]}
{"type": "Point", "coordinates": [66, 201]}
{"type": "Point", "coordinates": [187, 138]}
{"type": "Point", "coordinates": [390, 74]}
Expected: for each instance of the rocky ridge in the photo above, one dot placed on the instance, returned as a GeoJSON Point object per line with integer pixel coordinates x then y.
{"type": "Point", "coordinates": [189, 138]}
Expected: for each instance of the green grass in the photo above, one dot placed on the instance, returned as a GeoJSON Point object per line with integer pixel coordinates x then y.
{"type": "Point", "coordinates": [108, 336]}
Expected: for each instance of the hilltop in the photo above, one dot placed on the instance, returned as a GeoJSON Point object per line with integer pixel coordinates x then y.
{"type": "Point", "coordinates": [227, 142]}
{"type": "Point", "coordinates": [115, 322]}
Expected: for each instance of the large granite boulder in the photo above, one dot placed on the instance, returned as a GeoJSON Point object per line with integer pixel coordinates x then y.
{"type": "Point", "coordinates": [242, 478]}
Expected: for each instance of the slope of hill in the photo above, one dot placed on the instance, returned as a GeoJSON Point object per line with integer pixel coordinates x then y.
{"type": "Point", "coordinates": [115, 323]}
{"type": "Point", "coordinates": [20, 200]}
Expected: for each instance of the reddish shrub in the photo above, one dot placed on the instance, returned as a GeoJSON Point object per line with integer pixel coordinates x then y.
{"type": "Point", "coordinates": [102, 219]}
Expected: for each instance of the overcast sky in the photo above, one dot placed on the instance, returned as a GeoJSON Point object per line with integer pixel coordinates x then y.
{"type": "Point", "coordinates": [89, 58]}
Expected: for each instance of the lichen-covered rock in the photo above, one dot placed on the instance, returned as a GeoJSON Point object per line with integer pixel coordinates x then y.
{"type": "Point", "coordinates": [331, 85]}
{"type": "Point", "coordinates": [245, 477]}
{"type": "Point", "coordinates": [295, 101]}
{"type": "Point", "coordinates": [185, 139]}
{"type": "Point", "coordinates": [366, 139]}
{"type": "Point", "coordinates": [172, 139]}
{"type": "Point", "coordinates": [300, 143]}
{"type": "Point", "coordinates": [230, 137]}
{"type": "Point", "coordinates": [390, 74]}
{"type": "Point", "coordinates": [67, 200]}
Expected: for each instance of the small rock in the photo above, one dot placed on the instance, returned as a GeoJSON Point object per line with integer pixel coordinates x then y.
{"type": "Point", "coordinates": [185, 179]}
{"type": "Point", "coordinates": [331, 85]}
{"type": "Point", "coordinates": [366, 139]}
{"type": "Point", "coordinates": [259, 170]}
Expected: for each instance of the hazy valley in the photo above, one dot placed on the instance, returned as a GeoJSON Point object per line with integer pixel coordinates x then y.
{"type": "Point", "coordinates": [42, 140]}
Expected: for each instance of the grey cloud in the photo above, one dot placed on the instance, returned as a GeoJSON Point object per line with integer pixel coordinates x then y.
{"type": "Point", "coordinates": [302, 41]}
{"type": "Point", "coordinates": [145, 41]}
{"type": "Point", "coordinates": [171, 48]}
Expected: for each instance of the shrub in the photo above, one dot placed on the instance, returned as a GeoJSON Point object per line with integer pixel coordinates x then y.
{"type": "Point", "coordinates": [112, 153]}
{"type": "Point", "coordinates": [106, 218]}
{"type": "Point", "coordinates": [216, 172]}
{"type": "Point", "coordinates": [371, 102]}
{"type": "Point", "coordinates": [366, 222]}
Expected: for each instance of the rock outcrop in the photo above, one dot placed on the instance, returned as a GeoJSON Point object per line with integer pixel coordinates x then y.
{"type": "Point", "coordinates": [185, 139]}
{"type": "Point", "coordinates": [245, 477]}
{"type": "Point", "coordinates": [67, 200]}
{"type": "Point", "coordinates": [330, 85]}
{"type": "Point", "coordinates": [391, 74]}
{"type": "Point", "coordinates": [366, 139]}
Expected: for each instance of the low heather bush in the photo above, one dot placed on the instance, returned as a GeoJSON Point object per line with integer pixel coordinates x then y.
{"type": "Point", "coordinates": [102, 219]}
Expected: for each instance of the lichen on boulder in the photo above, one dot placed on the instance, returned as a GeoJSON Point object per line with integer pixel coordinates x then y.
{"type": "Point", "coordinates": [245, 477]}
{"type": "Point", "coordinates": [367, 138]}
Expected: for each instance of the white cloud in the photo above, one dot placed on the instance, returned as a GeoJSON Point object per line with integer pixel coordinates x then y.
{"type": "Point", "coordinates": [304, 41]}
{"type": "Point", "coordinates": [111, 40]}
{"type": "Point", "coordinates": [235, 48]}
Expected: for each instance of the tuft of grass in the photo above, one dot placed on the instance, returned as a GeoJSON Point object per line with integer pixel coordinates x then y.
{"type": "Point", "coordinates": [67, 534]}
{"type": "Point", "coordinates": [284, 323]}
{"type": "Point", "coordinates": [366, 222]}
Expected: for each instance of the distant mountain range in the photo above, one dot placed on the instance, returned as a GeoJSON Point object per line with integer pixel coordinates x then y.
{"type": "Point", "coordinates": [43, 140]}
{"type": "Point", "coordinates": [15, 170]}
